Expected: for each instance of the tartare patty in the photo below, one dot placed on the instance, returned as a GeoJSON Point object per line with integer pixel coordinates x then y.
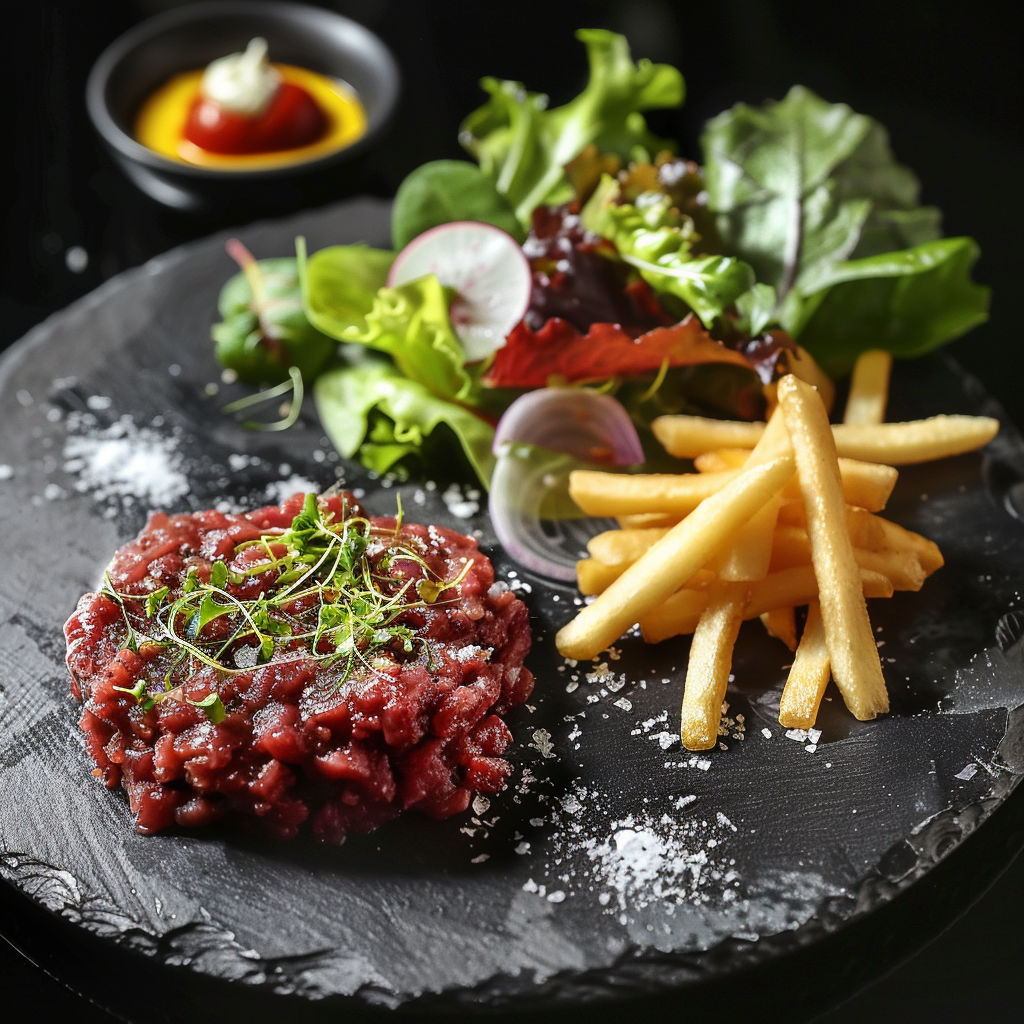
{"type": "Point", "coordinates": [298, 667]}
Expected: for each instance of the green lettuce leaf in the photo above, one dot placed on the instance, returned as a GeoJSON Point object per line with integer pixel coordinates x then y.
{"type": "Point", "coordinates": [350, 302]}
{"type": "Point", "coordinates": [906, 302]}
{"type": "Point", "coordinates": [524, 147]}
{"type": "Point", "coordinates": [656, 239]}
{"type": "Point", "coordinates": [808, 194]}
{"type": "Point", "coordinates": [372, 411]}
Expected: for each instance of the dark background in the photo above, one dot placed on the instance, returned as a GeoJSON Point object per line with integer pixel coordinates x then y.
{"type": "Point", "coordinates": [944, 78]}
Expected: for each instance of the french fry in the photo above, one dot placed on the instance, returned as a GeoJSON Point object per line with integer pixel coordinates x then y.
{"type": "Point", "coordinates": [805, 367]}
{"type": "Point", "coordinates": [595, 577]}
{"type": "Point", "coordinates": [690, 436]}
{"type": "Point", "coordinates": [869, 387]}
{"type": "Point", "coordinates": [678, 614]}
{"type": "Point", "coordinates": [851, 646]}
{"type": "Point", "coordinates": [893, 444]}
{"type": "Point", "coordinates": [865, 528]}
{"type": "Point", "coordinates": [721, 460]}
{"type": "Point", "coordinates": [866, 485]}
{"type": "Point", "coordinates": [808, 676]}
{"type": "Point", "coordinates": [781, 624]}
{"type": "Point", "coordinates": [615, 546]}
{"type": "Point", "coordinates": [902, 444]}
{"type": "Point", "coordinates": [792, 546]}
{"type": "Point", "coordinates": [671, 561]}
{"type": "Point", "coordinates": [615, 494]}
{"type": "Point", "coordinates": [707, 673]}
{"type": "Point", "coordinates": [647, 520]}
{"type": "Point", "coordinates": [898, 537]}
{"type": "Point", "coordinates": [751, 550]}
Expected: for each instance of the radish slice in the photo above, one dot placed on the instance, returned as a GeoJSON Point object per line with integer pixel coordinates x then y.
{"type": "Point", "coordinates": [486, 269]}
{"type": "Point", "coordinates": [543, 436]}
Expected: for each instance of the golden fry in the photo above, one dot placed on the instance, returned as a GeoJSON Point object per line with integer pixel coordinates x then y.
{"type": "Point", "coordinates": [671, 561]}
{"type": "Point", "coordinates": [869, 387]}
{"type": "Point", "coordinates": [781, 624]}
{"type": "Point", "coordinates": [678, 614]}
{"type": "Point", "coordinates": [865, 485]}
{"type": "Point", "coordinates": [647, 520]}
{"type": "Point", "coordinates": [899, 538]}
{"type": "Point", "coordinates": [615, 546]}
{"type": "Point", "coordinates": [721, 460]}
{"type": "Point", "coordinates": [707, 673]}
{"type": "Point", "coordinates": [792, 546]}
{"type": "Point", "coordinates": [614, 494]}
{"type": "Point", "coordinates": [690, 436]}
{"type": "Point", "coordinates": [893, 444]}
{"type": "Point", "coordinates": [808, 675]}
{"type": "Point", "coordinates": [851, 645]}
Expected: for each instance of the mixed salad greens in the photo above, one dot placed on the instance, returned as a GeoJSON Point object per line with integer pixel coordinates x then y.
{"type": "Point", "coordinates": [595, 258]}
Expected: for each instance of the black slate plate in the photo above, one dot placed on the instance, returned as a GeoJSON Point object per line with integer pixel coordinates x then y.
{"type": "Point", "coordinates": [616, 862]}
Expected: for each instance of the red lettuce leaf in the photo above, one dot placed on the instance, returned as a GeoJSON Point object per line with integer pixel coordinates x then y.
{"type": "Point", "coordinates": [559, 351]}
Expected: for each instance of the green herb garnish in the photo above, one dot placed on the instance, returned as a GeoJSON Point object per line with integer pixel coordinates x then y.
{"type": "Point", "coordinates": [333, 590]}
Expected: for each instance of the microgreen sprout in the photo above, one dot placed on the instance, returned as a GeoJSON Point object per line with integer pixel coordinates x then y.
{"type": "Point", "coordinates": [293, 406]}
{"type": "Point", "coordinates": [324, 588]}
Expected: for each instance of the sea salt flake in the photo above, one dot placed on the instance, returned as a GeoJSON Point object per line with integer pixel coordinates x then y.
{"type": "Point", "coordinates": [967, 772]}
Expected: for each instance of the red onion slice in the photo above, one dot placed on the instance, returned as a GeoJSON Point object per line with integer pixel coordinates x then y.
{"type": "Point", "coordinates": [592, 427]}
{"type": "Point", "coordinates": [542, 437]}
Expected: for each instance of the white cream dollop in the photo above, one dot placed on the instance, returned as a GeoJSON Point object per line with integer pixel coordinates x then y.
{"type": "Point", "coordinates": [242, 83]}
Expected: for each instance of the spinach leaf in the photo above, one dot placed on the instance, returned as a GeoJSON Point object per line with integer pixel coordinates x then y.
{"type": "Point", "coordinates": [263, 328]}
{"type": "Point", "coordinates": [808, 194]}
{"type": "Point", "coordinates": [448, 190]}
{"type": "Point", "coordinates": [906, 302]}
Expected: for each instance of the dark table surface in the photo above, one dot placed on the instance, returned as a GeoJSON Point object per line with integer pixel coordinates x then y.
{"type": "Point", "coordinates": [945, 79]}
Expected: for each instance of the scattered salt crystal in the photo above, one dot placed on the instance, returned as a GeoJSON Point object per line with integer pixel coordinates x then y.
{"type": "Point", "coordinates": [967, 772]}
{"type": "Point", "coordinates": [480, 858]}
{"type": "Point", "coordinates": [127, 462]}
{"type": "Point", "coordinates": [279, 490]}
{"type": "Point", "coordinates": [766, 733]}
{"type": "Point", "coordinates": [624, 704]}
{"type": "Point", "coordinates": [542, 743]}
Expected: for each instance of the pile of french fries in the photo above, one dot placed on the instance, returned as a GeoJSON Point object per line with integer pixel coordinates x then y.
{"type": "Point", "coordinates": [777, 517]}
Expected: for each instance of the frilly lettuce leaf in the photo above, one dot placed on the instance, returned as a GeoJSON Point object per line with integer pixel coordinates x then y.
{"type": "Point", "coordinates": [372, 411]}
{"type": "Point", "coordinates": [346, 297]}
{"type": "Point", "coordinates": [808, 194]}
{"type": "Point", "coordinates": [387, 410]}
{"type": "Point", "coordinates": [524, 147]}
{"type": "Point", "coordinates": [657, 240]}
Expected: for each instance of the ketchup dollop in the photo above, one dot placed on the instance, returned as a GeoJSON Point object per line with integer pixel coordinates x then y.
{"type": "Point", "coordinates": [293, 118]}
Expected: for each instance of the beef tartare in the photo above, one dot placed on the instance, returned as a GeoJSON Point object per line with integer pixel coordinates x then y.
{"type": "Point", "coordinates": [298, 667]}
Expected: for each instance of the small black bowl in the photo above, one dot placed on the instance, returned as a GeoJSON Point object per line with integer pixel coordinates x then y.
{"type": "Point", "coordinates": [189, 37]}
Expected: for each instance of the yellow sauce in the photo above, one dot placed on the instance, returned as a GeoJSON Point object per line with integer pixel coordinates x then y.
{"type": "Point", "coordinates": [160, 123]}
